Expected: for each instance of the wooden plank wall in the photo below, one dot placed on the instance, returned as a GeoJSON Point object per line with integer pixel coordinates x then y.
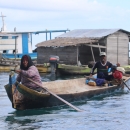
{"type": "Point", "coordinates": [85, 54]}
{"type": "Point", "coordinates": [117, 48]}
{"type": "Point", "coordinates": [67, 55]}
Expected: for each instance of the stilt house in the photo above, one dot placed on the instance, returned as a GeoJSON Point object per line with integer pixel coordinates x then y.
{"type": "Point", "coordinates": [84, 45]}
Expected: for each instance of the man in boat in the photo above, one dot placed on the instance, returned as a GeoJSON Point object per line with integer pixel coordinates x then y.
{"type": "Point", "coordinates": [103, 75]}
{"type": "Point", "coordinates": [102, 67]}
{"type": "Point", "coordinates": [28, 70]}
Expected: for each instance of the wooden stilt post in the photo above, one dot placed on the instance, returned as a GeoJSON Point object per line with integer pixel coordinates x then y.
{"type": "Point", "coordinates": [99, 48]}
{"type": "Point", "coordinates": [92, 53]}
{"type": "Point", "coordinates": [77, 54]}
{"type": "Point", "coordinates": [15, 46]}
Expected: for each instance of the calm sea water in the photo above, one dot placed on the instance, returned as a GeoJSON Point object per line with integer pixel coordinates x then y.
{"type": "Point", "coordinates": [105, 112]}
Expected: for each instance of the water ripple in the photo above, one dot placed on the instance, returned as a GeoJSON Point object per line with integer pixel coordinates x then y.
{"type": "Point", "coordinates": [110, 111]}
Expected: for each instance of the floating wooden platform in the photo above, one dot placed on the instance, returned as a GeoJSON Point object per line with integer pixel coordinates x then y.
{"type": "Point", "coordinates": [7, 65]}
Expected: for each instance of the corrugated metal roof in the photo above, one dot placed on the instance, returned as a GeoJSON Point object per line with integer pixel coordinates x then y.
{"type": "Point", "coordinates": [61, 42]}
{"type": "Point", "coordinates": [79, 36]}
{"type": "Point", "coordinates": [91, 33]}
{"type": "Point", "coordinates": [36, 32]}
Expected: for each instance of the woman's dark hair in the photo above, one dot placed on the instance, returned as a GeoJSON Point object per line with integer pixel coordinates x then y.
{"type": "Point", "coordinates": [30, 63]}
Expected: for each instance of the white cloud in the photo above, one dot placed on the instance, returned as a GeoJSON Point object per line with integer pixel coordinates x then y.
{"type": "Point", "coordinates": [33, 15]}
{"type": "Point", "coordinates": [58, 9]}
{"type": "Point", "coordinates": [47, 5]}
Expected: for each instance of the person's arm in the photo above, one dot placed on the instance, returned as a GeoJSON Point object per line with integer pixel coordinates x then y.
{"type": "Point", "coordinates": [18, 79]}
{"type": "Point", "coordinates": [94, 67]}
{"type": "Point", "coordinates": [111, 64]}
{"type": "Point", "coordinates": [110, 67]}
{"type": "Point", "coordinates": [32, 71]}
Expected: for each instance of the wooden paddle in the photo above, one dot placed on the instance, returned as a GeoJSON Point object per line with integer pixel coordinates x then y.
{"type": "Point", "coordinates": [125, 84]}
{"type": "Point", "coordinates": [53, 94]}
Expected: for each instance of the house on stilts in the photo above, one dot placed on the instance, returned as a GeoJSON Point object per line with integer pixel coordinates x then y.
{"type": "Point", "coordinates": [84, 45]}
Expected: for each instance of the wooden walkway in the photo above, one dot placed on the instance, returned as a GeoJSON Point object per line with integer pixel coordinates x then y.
{"type": "Point", "coordinates": [5, 62]}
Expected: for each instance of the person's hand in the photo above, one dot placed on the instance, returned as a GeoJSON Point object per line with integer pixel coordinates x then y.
{"type": "Point", "coordinates": [90, 75]}
{"type": "Point", "coordinates": [18, 71]}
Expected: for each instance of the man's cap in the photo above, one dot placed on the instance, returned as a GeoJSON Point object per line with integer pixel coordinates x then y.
{"type": "Point", "coordinates": [102, 54]}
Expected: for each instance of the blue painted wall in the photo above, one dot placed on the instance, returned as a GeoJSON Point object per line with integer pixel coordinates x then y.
{"type": "Point", "coordinates": [4, 37]}
{"type": "Point", "coordinates": [13, 37]}
{"type": "Point", "coordinates": [25, 43]}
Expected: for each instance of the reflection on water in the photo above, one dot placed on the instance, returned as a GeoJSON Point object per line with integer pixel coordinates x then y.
{"type": "Point", "coordinates": [110, 111]}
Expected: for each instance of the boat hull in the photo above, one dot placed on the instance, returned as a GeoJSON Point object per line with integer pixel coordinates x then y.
{"type": "Point", "coordinates": [44, 68]}
{"type": "Point", "coordinates": [72, 69]}
{"type": "Point", "coordinates": [33, 99]}
{"type": "Point", "coordinates": [8, 67]}
{"type": "Point", "coordinates": [127, 69]}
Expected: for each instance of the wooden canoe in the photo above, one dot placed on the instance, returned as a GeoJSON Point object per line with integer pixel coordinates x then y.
{"type": "Point", "coordinates": [41, 68]}
{"type": "Point", "coordinates": [127, 69]}
{"type": "Point", "coordinates": [73, 69]}
{"type": "Point", "coordinates": [44, 68]}
{"type": "Point", "coordinates": [6, 68]}
{"type": "Point", "coordinates": [70, 90]}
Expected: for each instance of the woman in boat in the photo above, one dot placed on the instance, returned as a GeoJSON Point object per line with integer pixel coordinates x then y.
{"type": "Point", "coordinates": [28, 70]}
{"type": "Point", "coordinates": [102, 67]}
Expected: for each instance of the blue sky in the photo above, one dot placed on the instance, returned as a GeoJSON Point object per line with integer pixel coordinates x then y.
{"type": "Point", "coordinates": [38, 15]}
